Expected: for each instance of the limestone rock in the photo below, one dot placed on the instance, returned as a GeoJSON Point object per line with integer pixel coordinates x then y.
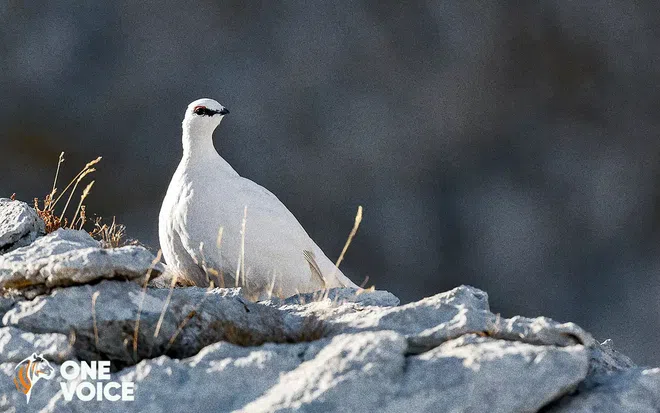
{"type": "Point", "coordinates": [19, 225]}
{"type": "Point", "coordinates": [357, 372]}
{"type": "Point", "coordinates": [634, 390]}
{"type": "Point", "coordinates": [347, 295]}
{"type": "Point", "coordinates": [192, 318]}
{"type": "Point", "coordinates": [429, 322]}
{"type": "Point", "coordinates": [479, 374]}
{"type": "Point", "coordinates": [16, 345]}
{"type": "Point", "coordinates": [68, 257]}
{"type": "Point", "coordinates": [222, 378]}
{"type": "Point", "coordinates": [348, 350]}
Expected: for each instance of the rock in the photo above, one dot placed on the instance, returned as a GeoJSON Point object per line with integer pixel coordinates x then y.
{"type": "Point", "coordinates": [437, 312]}
{"type": "Point", "coordinates": [346, 295]}
{"type": "Point", "coordinates": [540, 330]}
{"type": "Point", "coordinates": [244, 375]}
{"type": "Point", "coordinates": [164, 280]}
{"type": "Point", "coordinates": [19, 225]}
{"type": "Point", "coordinates": [434, 320]}
{"type": "Point", "coordinates": [634, 390]}
{"type": "Point", "coordinates": [479, 374]}
{"type": "Point", "coordinates": [194, 317]}
{"type": "Point", "coordinates": [368, 371]}
{"type": "Point", "coordinates": [203, 349]}
{"type": "Point", "coordinates": [8, 301]}
{"type": "Point", "coordinates": [357, 372]}
{"type": "Point", "coordinates": [605, 361]}
{"type": "Point", "coordinates": [16, 345]}
{"type": "Point", "coordinates": [68, 257]}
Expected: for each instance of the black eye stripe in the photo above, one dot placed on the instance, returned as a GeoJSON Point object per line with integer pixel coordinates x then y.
{"type": "Point", "coordinates": [202, 111]}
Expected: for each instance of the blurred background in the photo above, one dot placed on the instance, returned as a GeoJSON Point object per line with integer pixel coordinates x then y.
{"type": "Point", "coordinates": [511, 147]}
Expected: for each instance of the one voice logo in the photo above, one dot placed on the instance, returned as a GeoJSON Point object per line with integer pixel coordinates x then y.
{"type": "Point", "coordinates": [30, 371]}
{"type": "Point", "coordinates": [82, 380]}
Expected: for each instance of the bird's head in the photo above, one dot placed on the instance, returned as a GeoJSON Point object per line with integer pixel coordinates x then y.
{"type": "Point", "coordinates": [204, 115]}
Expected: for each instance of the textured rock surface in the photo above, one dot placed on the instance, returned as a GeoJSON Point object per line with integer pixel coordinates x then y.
{"type": "Point", "coordinates": [635, 390]}
{"type": "Point", "coordinates": [347, 295]}
{"type": "Point", "coordinates": [478, 374]}
{"type": "Point", "coordinates": [67, 257]}
{"type": "Point", "coordinates": [207, 316]}
{"type": "Point", "coordinates": [348, 350]}
{"type": "Point", "coordinates": [369, 358]}
{"type": "Point", "coordinates": [434, 320]}
{"type": "Point", "coordinates": [19, 225]}
{"type": "Point", "coordinates": [16, 345]}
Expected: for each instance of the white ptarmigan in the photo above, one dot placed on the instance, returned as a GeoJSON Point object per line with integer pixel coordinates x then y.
{"type": "Point", "coordinates": [207, 197]}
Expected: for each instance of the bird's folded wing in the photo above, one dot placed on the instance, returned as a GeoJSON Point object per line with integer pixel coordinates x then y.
{"type": "Point", "coordinates": [316, 271]}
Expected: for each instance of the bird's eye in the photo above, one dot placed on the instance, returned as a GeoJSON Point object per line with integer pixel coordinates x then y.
{"type": "Point", "coordinates": [199, 110]}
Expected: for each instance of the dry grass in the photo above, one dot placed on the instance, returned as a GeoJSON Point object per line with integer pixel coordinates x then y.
{"type": "Point", "coordinates": [55, 220]}
{"type": "Point", "coordinates": [312, 329]}
{"type": "Point", "coordinates": [110, 236]}
{"type": "Point", "coordinates": [95, 296]}
{"type": "Point", "coordinates": [179, 329]}
{"type": "Point", "coordinates": [323, 294]}
{"type": "Point", "coordinates": [142, 296]}
{"type": "Point", "coordinates": [182, 325]}
{"type": "Point", "coordinates": [47, 214]}
{"type": "Point", "coordinates": [240, 266]}
{"type": "Point", "coordinates": [175, 278]}
{"type": "Point", "coordinates": [356, 225]}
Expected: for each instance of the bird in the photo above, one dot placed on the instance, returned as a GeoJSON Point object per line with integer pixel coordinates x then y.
{"type": "Point", "coordinates": [217, 226]}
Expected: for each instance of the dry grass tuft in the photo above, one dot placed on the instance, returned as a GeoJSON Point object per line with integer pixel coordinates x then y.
{"type": "Point", "coordinates": [312, 329]}
{"type": "Point", "coordinates": [48, 214]}
{"type": "Point", "coordinates": [111, 236]}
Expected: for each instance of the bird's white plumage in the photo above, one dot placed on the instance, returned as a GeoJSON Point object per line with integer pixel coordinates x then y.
{"type": "Point", "coordinates": [205, 195]}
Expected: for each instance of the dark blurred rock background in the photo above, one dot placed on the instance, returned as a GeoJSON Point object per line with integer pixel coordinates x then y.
{"type": "Point", "coordinates": [505, 145]}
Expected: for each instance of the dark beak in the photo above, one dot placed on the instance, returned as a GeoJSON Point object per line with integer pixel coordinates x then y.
{"type": "Point", "coordinates": [224, 111]}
